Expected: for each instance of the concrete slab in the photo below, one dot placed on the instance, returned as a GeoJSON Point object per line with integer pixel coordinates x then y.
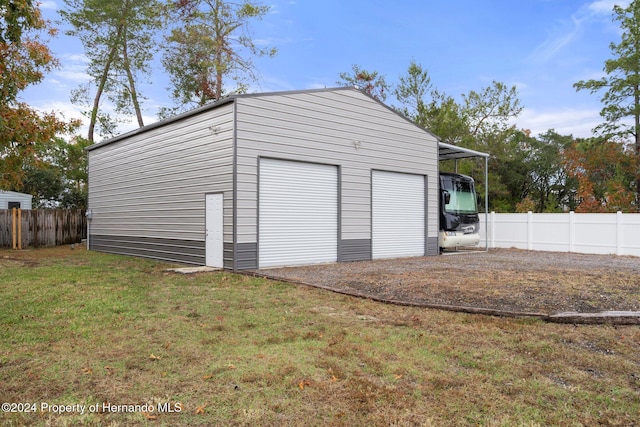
{"type": "Point", "coordinates": [612, 317]}
{"type": "Point", "coordinates": [192, 270]}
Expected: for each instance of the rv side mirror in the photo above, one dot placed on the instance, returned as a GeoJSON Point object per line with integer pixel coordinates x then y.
{"type": "Point", "coordinates": [446, 197]}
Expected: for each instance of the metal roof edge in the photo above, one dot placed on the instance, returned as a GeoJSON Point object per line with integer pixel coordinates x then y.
{"type": "Point", "coordinates": [163, 122]}
{"type": "Point", "coordinates": [458, 152]}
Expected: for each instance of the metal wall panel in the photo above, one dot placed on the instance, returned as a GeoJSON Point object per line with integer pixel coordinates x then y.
{"type": "Point", "coordinates": [398, 215]}
{"type": "Point", "coordinates": [343, 127]}
{"type": "Point", "coordinates": [152, 185]}
{"type": "Point", "coordinates": [298, 219]}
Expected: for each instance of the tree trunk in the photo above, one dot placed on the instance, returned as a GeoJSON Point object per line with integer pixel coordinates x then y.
{"type": "Point", "coordinates": [132, 84]}
{"type": "Point", "coordinates": [101, 85]}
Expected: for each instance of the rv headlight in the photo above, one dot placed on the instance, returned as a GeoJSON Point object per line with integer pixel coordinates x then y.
{"type": "Point", "coordinates": [449, 233]}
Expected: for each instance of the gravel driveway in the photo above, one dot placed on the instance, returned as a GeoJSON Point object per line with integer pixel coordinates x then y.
{"type": "Point", "coordinates": [507, 280]}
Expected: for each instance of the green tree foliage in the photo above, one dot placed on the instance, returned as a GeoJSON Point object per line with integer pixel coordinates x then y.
{"type": "Point", "coordinates": [369, 81]}
{"type": "Point", "coordinates": [211, 48]}
{"type": "Point", "coordinates": [430, 108]}
{"type": "Point", "coordinates": [548, 186]}
{"type": "Point", "coordinates": [24, 61]}
{"type": "Point", "coordinates": [57, 176]}
{"type": "Point", "coordinates": [483, 121]}
{"type": "Point", "coordinates": [118, 38]}
{"type": "Point", "coordinates": [621, 84]}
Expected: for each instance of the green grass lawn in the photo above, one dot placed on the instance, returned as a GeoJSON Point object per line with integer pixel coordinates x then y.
{"type": "Point", "coordinates": [120, 335]}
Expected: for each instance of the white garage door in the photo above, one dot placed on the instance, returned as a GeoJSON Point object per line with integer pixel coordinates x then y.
{"type": "Point", "coordinates": [398, 215]}
{"type": "Point", "coordinates": [298, 221]}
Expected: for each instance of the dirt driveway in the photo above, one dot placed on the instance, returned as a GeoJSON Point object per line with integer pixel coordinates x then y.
{"type": "Point", "coordinates": [507, 280]}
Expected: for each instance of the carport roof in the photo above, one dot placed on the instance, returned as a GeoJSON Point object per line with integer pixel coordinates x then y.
{"type": "Point", "coordinates": [449, 151]}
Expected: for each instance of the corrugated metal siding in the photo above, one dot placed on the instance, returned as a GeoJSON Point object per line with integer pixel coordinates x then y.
{"type": "Point", "coordinates": [398, 215]}
{"type": "Point", "coordinates": [326, 127]}
{"type": "Point", "coordinates": [153, 184]}
{"type": "Point", "coordinates": [298, 213]}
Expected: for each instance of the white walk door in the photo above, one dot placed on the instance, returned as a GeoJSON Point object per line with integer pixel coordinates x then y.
{"type": "Point", "coordinates": [298, 221]}
{"type": "Point", "coordinates": [214, 246]}
{"type": "Point", "coordinates": [398, 215]}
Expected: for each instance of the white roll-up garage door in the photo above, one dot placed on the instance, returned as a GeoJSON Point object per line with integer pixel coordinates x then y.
{"type": "Point", "coordinates": [398, 215]}
{"type": "Point", "coordinates": [298, 208]}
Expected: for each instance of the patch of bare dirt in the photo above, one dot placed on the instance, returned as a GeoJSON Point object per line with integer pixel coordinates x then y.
{"type": "Point", "coordinates": [6, 260]}
{"type": "Point", "coordinates": [502, 279]}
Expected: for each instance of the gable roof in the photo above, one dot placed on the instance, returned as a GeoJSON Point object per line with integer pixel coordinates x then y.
{"type": "Point", "coordinates": [232, 98]}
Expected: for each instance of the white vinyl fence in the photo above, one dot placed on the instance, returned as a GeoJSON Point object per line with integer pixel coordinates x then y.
{"type": "Point", "coordinates": [590, 233]}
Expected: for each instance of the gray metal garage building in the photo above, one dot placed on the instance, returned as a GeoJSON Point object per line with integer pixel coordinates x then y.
{"type": "Point", "coordinates": [273, 179]}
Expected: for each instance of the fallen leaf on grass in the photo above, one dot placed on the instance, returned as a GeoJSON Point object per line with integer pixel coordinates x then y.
{"type": "Point", "coordinates": [207, 377]}
{"type": "Point", "coordinates": [153, 357]}
{"type": "Point", "coordinates": [87, 371]}
{"type": "Point", "coordinates": [304, 383]}
{"type": "Point", "coordinates": [149, 416]}
{"type": "Point", "coordinates": [200, 410]}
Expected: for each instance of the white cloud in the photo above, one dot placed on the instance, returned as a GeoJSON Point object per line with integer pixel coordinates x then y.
{"type": "Point", "coordinates": [605, 7]}
{"type": "Point", "coordinates": [566, 121]}
{"type": "Point", "coordinates": [48, 4]}
{"type": "Point", "coordinates": [561, 37]}
{"type": "Point", "coordinates": [569, 31]}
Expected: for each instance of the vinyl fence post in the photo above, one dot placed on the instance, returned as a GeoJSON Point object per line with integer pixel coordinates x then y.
{"type": "Point", "coordinates": [493, 229]}
{"type": "Point", "coordinates": [530, 230]}
{"type": "Point", "coordinates": [572, 231]}
{"type": "Point", "coordinates": [619, 234]}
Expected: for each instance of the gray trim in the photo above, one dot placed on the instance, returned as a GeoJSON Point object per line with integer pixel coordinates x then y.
{"type": "Point", "coordinates": [426, 214]}
{"type": "Point", "coordinates": [339, 225]}
{"type": "Point", "coordinates": [355, 250]}
{"type": "Point", "coordinates": [228, 256]}
{"type": "Point", "coordinates": [234, 184]}
{"type": "Point", "coordinates": [432, 247]}
{"type": "Point", "coordinates": [371, 211]}
{"type": "Point", "coordinates": [172, 250]}
{"type": "Point", "coordinates": [258, 177]}
{"type": "Point", "coordinates": [246, 256]}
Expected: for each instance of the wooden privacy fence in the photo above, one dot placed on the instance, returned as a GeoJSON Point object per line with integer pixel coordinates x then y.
{"type": "Point", "coordinates": [21, 228]}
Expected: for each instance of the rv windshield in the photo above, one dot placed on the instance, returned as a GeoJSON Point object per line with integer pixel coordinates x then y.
{"type": "Point", "coordinates": [462, 197]}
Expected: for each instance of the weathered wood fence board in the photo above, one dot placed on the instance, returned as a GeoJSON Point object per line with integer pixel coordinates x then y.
{"type": "Point", "coordinates": [44, 227]}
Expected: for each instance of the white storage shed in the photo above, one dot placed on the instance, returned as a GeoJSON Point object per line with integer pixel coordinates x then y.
{"type": "Point", "coordinates": [13, 199]}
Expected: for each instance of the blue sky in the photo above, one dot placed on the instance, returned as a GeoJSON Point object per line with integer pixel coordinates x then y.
{"type": "Point", "coordinates": [540, 46]}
